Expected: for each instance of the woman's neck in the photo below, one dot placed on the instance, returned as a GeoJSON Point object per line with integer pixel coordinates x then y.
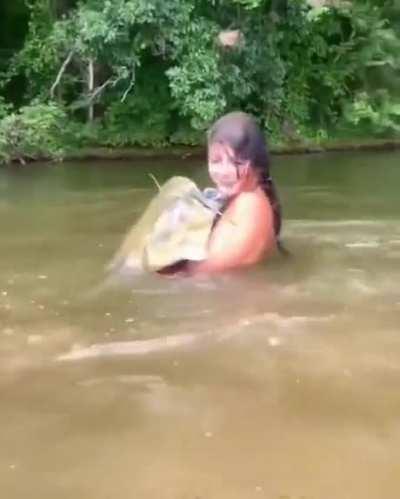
{"type": "Point", "coordinates": [251, 182]}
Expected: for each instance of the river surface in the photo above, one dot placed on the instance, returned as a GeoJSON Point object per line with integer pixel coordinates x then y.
{"type": "Point", "coordinates": [279, 382]}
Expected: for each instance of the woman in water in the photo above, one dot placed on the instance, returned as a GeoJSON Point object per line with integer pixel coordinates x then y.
{"type": "Point", "coordinates": [247, 229]}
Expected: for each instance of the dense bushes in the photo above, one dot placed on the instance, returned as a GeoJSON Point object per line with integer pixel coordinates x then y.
{"type": "Point", "coordinates": [151, 72]}
{"type": "Point", "coordinates": [35, 131]}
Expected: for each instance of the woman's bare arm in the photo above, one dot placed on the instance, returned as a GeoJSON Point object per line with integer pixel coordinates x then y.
{"type": "Point", "coordinates": [241, 237]}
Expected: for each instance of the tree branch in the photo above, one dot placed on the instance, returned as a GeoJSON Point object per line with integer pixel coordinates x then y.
{"type": "Point", "coordinates": [132, 82]}
{"type": "Point", "coordinates": [90, 88]}
{"type": "Point", "coordinates": [102, 87]}
{"type": "Point", "coordinates": [60, 73]}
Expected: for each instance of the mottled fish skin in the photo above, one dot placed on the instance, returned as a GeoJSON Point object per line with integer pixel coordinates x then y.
{"type": "Point", "coordinates": [175, 226]}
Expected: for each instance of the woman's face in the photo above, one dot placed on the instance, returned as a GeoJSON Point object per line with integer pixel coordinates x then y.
{"type": "Point", "coordinates": [226, 171]}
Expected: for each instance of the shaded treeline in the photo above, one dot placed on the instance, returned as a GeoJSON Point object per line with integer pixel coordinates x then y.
{"type": "Point", "coordinates": [155, 72]}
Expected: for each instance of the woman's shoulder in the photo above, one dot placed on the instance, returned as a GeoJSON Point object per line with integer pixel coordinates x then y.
{"type": "Point", "coordinates": [252, 203]}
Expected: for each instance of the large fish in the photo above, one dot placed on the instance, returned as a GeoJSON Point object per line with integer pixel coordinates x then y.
{"type": "Point", "coordinates": [175, 226]}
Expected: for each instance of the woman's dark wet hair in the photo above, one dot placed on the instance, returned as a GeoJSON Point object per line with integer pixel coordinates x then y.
{"type": "Point", "coordinates": [241, 132]}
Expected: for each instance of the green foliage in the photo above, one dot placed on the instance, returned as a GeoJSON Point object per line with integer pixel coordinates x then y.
{"type": "Point", "coordinates": [184, 134]}
{"type": "Point", "coordinates": [5, 108]}
{"type": "Point", "coordinates": [249, 4]}
{"type": "Point", "coordinates": [152, 72]}
{"type": "Point", "coordinates": [332, 54]}
{"type": "Point", "coordinates": [37, 60]}
{"type": "Point", "coordinates": [196, 80]}
{"type": "Point", "coordinates": [143, 118]}
{"type": "Point", "coordinates": [34, 131]}
{"type": "Point", "coordinates": [378, 114]}
{"type": "Point", "coordinates": [114, 35]}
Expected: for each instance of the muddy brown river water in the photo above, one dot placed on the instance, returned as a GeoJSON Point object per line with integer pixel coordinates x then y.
{"type": "Point", "coordinates": [279, 382]}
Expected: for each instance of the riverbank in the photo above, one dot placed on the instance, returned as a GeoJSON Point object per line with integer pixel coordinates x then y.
{"type": "Point", "coordinates": [193, 152]}
{"type": "Point", "coordinates": [183, 152]}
